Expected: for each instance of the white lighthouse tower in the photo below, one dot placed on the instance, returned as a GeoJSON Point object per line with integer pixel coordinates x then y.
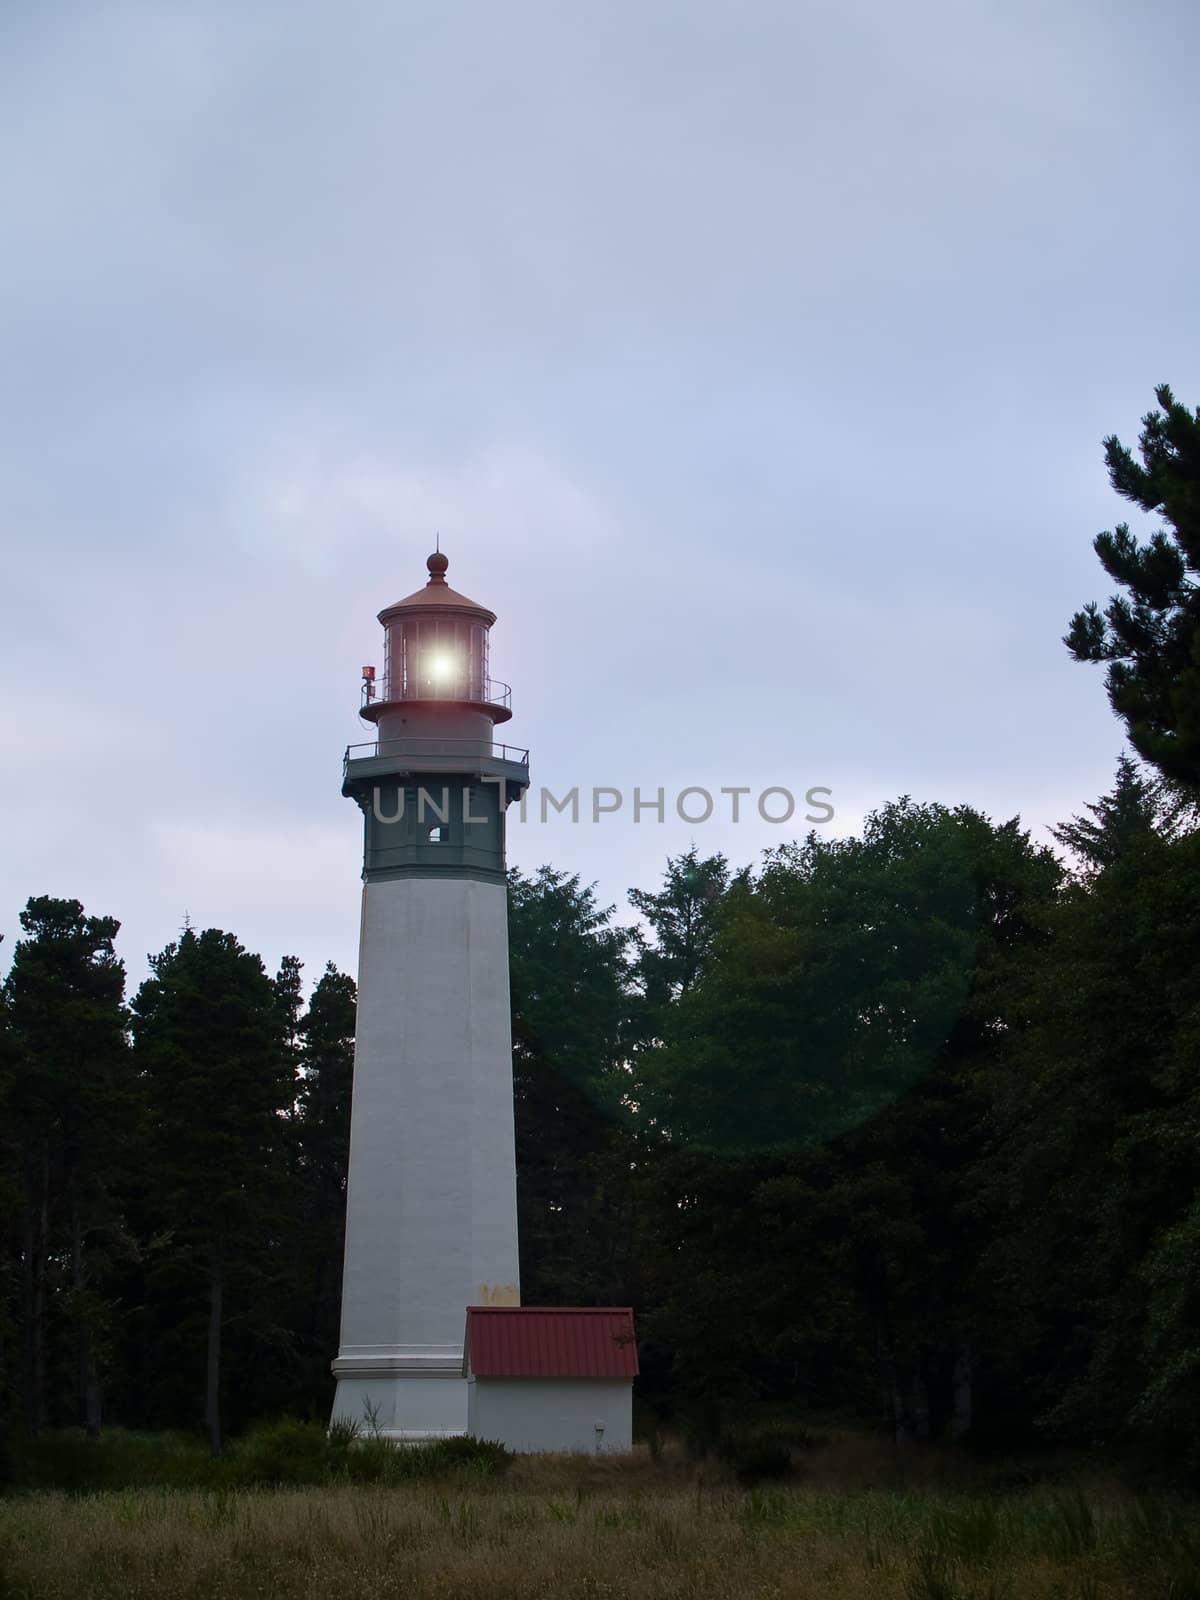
{"type": "Point", "coordinates": [431, 1216]}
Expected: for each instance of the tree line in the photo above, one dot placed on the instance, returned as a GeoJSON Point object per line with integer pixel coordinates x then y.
{"type": "Point", "coordinates": [906, 1123]}
{"type": "Point", "coordinates": [173, 1176]}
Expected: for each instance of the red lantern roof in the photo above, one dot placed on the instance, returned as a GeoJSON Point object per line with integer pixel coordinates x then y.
{"type": "Point", "coordinates": [437, 595]}
{"type": "Point", "coordinates": [550, 1342]}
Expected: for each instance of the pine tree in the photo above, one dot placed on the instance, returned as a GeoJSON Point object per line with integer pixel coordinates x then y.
{"type": "Point", "coordinates": [289, 995]}
{"type": "Point", "coordinates": [570, 1014]}
{"type": "Point", "coordinates": [10, 1210]}
{"type": "Point", "coordinates": [211, 1041]}
{"type": "Point", "coordinates": [1135, 807]}
{"type": "Point", "coordinates": [1150, 636]}
{"type": "Point", "coordinates": [70, 1095]}
{"type": "Point", "coordinates": [1098, 1161]}
{"type": "Point", "coordinates": [322, 1127]}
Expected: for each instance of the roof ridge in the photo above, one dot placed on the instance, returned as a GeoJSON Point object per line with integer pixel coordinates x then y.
{"type": "Point", "coordinates": [598, 1311]}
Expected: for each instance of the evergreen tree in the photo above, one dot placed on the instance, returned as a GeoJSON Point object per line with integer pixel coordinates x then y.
{"type": "Point", "coordinates": [211, 1043]}
{"type": "Point", "coordinates": [1135, 807]}
{"type": "Point", "coordinates": [1150, 635]}
{"type": "Point", "coordinates": [326, 1034]}
{"type": "Point", "coordinates": [1097, 1163]}
{"type": "Point", "coordinates": [70, 1096]}
{"type": "Point", "coordinates": [828, 1070]}
{"type": "Point", "coordinates": [289, 994]}
{"type": "Point", "coordinates": [570, 1011]}
{"type": "Point", "coordinates": [10, 1210]}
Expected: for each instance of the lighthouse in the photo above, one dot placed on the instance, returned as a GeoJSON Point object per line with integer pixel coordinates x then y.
{"type": "Point", "coordinates": [431, 1208]}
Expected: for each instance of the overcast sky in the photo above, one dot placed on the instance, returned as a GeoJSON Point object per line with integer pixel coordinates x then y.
{"type": "Point", "coordinates": [751, 357]}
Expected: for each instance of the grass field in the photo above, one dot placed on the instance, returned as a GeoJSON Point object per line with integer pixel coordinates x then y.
{"type": "Point", "coordinates": [854, 1521]}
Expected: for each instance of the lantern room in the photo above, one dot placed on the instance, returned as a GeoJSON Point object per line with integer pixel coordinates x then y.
{"type": "Point", "coordinates": [435, 680]}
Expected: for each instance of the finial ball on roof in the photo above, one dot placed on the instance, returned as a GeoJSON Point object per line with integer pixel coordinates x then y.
{"type": "Point", "coordinates": [437, 565]}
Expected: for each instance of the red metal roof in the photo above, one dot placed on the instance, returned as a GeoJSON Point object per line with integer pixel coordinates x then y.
{"type": "Point", "coordinates": [438, 595]}
{"type": "Point", "coordinates": [550, 1342]}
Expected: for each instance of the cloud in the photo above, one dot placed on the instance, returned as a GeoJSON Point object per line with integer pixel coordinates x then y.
{"type": "Point", "coordinates": [325, 509]}
{"type": "Point", "coordinates": [282, 884]}
{"type": "Point", "coordinates": [751, 361]}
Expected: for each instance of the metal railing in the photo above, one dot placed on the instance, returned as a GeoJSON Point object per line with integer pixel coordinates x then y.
{"type": "Point", "coordinates": [427, 748]}
{"type": "Point", "coordinates": [485, 692]}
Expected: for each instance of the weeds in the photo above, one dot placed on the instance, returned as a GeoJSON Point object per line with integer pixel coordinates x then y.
{"type": "Point", "coordinates": [285, 1454]}
{"type": "Point", "coordinates": [456, 1519]}
{"type": "Point", "coordinates": [935, 1576]}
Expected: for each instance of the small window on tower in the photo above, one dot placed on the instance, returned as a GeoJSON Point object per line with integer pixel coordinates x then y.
{"type": "Point", "coordinates": [439, 833]}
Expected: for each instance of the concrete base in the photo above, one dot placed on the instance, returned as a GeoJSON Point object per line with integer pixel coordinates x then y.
{"type": "Point", "coordinates": [408, 1396]}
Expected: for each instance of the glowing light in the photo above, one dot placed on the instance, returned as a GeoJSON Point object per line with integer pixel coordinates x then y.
{"type": "Point", "coordinates": [440, 667]}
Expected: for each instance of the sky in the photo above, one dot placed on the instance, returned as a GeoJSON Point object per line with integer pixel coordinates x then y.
{"type": "Point", "coordinates": [751, 359]}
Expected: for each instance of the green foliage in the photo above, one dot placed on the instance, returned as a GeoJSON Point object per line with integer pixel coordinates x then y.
{"type": "Point", "coordinates": [936, 1577]}
{"type": "Point", "coordinates": [682, 918]}
{"type": "Point", "coordinates": [569, 969]}
{"type": "Point", "coordinates": [1096, 1163]}
{"type": "Point", "coordinates": [291, 1452]}
{"type": "Point", "coordinates": [319, 1158]}
{"type": "Point", "coordinates": [68, 1097]}
{"type": "Point", "coordinates": [285, 1453]}
{"type": "Point", "coordinates": [569, 976]}
{"type": "Point", "coordinates": [210, 1040]}
{"type": "Point", "coordinates": [755, 1450]}
{"type": "Point", "coordinates": [756, 1456]}
{"type": "Point", "coordinates": [822, 1094]}
{"type": "Point", "coordinates": [69, 1461]}
{"type": "Point", "coordinates": [213, 1046]}
{"type": "Point", "coordinates": [1136, 808]}
{"type": "Point", "coordinates": [839, 976]}
{"type": "Point", "coordinates": [1168, 1408]}
{"type": "Point", "coordinates": [484, 1457]}
{"type": "Point", "coordinates": [1150, 635]}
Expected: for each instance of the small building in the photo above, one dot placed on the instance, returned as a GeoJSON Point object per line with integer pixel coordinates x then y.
{"type": "Point", "coordinates": [551, 1377]}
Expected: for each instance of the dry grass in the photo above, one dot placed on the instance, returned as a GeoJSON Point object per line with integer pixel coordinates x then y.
{"type": "Point", "coordinates": [856, 1525]}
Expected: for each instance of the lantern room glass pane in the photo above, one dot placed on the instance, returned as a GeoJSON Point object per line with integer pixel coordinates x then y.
{"type": "Point", "coordinates": [437, 658]}
{"type": "Point", "coordinates": [478, 661]}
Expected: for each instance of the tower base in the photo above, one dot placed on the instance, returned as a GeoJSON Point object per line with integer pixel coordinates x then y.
{"type": "Point", "coordinates": [410, 1396]}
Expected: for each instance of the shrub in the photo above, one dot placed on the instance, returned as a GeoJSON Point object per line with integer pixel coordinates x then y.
{"type": "Point", "coordinates": [367, 1460]}
{"type": "Point", "coordinates": [647, 1428]}
{"type": "Point", "coordinates": [485, 1458]}
{"type": "Point", "coordinates": [284, 1452]}
{"type": "Point", "coordinates": [70, 1461]}
{"type": "Point", "coordinates": [763, 1461]}
{"type": "Point", "coordinates": [703, 1429]}
{"type": "Point", "coordinates": [756, 1457]}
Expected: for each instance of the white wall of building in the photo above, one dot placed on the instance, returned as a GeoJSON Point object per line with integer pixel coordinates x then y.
{"type": "Point", "coordinates": [431, 1214]}
{"type": "Point", "coordinates": [536, 1414]}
